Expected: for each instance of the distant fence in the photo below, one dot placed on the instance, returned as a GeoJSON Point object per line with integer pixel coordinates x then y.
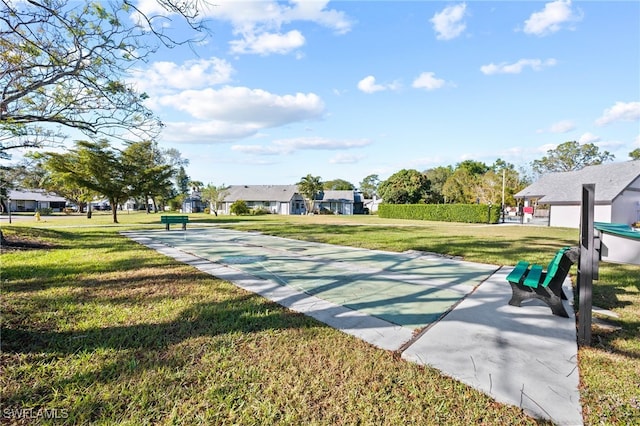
{"type": "Point", "coordinates": [468, 213]}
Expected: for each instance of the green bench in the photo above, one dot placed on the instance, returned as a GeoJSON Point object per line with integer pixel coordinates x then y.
{"type": "Point", "coordinates": [168, 220]}
{"type": "Point", "coordinates": [533, 282]}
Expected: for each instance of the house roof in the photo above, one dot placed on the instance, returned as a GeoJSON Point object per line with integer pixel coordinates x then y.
{"type": "Point", "coordinates": [611, 180]}
{"type": "Point", "coordinates": [34, 195]}
{"type": "Point", "coordinates": [331, 195]}
{"type": "Point", "coordinates": [261, 192]}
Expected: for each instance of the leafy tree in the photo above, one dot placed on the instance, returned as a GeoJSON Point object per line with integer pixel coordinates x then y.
{"type": "Point", "coordinates": [310, 186]}
{"type": "Point", "coordinates": [150, 175]}
{"type": "Point", "coordinates": [213, 195]}
{"type": "Point", "coordinates": [635, 154]}
{"type": "Point", "coordinates": [239, 207]}
{"type": "Point", "coordinates": [570, 156]}
{"type": "Point", "coordinates": [489, 188]}
{"type": "Point", "coordinates": [182, 184]}
{"type": "Point", "coordinates": [369, 186]}
{"type": "Point", "coordinates": [462, 187]}
{"type": "Point", "coordinates": [514, 181]}
{"type": "Point", "coordinates": [97, 167]}
{"type": "Point", "coordinates": [28, 173]}
{"type": "Point", "coordinates": [438, 176]}
{"type": "Point", "coordinates": [65, 65]}
{"type": "Point", "coordinates": [405, 187]}
{"type": "Point", "coordinates": [475, 168]}
{"type": "Point", "coordinates": [338, 185]}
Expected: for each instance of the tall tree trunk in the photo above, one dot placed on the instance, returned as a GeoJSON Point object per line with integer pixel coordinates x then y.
{"type": "Point", "coordinates": [114, 210]}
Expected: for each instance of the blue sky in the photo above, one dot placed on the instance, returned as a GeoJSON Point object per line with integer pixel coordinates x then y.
{"type": "Point", "coordinates": [343, 90]}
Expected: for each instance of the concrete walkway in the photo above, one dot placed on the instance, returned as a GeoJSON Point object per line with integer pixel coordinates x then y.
{"type": "Point", "coordinates": [525, 356]}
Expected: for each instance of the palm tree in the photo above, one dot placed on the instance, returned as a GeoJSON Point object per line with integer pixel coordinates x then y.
{"type": "Point", "coordinates": [309, 186]}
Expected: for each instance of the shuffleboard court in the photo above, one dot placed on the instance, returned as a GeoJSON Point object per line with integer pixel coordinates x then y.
{"type": "Point", "coordinates": [411, 290]}
{"type": "Point", "coordinates": [449, 314]}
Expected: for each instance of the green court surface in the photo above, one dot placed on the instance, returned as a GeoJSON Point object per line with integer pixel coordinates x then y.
{"type": "Point", "coordinates": [407, 289]}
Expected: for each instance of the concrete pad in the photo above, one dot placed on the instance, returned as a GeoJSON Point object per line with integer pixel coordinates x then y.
{"type": "Point", "coordinates": [521, 356]}
{"type": "Point", "coordinates": [378, 332]}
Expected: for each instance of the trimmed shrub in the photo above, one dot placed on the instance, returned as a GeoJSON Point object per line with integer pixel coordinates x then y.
{"type": "Point", "coordinates": [239, 207]}
{"type": "Point", "coordinates": [45, 211]}
{"type": "Point", "coordinates": [260, 211]}
{"type": "Point", "coordinates": [468, 213]}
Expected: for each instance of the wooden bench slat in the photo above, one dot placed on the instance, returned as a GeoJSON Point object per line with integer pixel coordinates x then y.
{"type": "Point", "coordinates": [518, 272]}
{"type": "Point", "coordinates": [552, 269]}
{"type": "Point", "coordinates": [533, 277]}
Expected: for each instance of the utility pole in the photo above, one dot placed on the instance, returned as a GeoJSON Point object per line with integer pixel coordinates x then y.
{"type": "Point", "coordinates": [502, 205]}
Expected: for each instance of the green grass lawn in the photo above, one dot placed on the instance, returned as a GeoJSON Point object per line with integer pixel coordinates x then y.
{"type": "Point", "coordinates": [106, 331]}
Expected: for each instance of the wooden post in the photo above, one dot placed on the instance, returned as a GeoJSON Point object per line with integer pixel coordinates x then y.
{"type": "Point", "coordinates": [585, 265]}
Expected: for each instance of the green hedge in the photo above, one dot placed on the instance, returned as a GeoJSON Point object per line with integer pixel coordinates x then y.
{"type": "Point", "coordinates": [469, 213]}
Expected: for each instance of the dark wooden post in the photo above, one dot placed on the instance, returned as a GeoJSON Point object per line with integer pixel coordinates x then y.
{"type": "Point", "coordinates": [585, 265]}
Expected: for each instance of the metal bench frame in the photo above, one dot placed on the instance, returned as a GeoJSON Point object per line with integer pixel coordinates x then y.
{"type": "Point", "coordinates": [535, 283]}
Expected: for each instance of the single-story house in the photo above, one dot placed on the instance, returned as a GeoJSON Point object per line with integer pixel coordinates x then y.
{"type": "Point", "coordinates": [285, 199]}
{"type": "Point", "coordinates": [32, 200]}
{"type": "Point", "coordinates": [617, 194]}
{"type": "Point", "coordinates": [278, 199]}
{"type": "Point", "coordinates": [339, 202]}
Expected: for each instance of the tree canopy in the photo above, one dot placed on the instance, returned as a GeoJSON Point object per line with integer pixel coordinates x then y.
{"type": "Point", "coordinates": [137, 171]}
{"type": "Point", "coordinates": [438, 176]}
{"type": "Point", "coordinates": [213, 195]}
{"type": "Point", "coordinates": [150, 174]}
{"type": "Point", "coordinates": [635, 154]}
{"type": "Point", "coordinates": [64, 66]}
{"type": "Point", "coordinates": [338, 185]}
{"type": "Point", "coordinates": [310, 186]}
{"type": "Point", "coordinates": [369, 186]}
{"type": "Point", "coordinates": [95, 166]}
{"type": "Point", "coordinates": [405, 187]}
{"type": "Point", "coordinates": [569, 156]}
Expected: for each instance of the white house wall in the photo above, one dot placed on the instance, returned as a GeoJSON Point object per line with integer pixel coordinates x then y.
{"type": "Point", "coordinates": [626, 208]}
{"type": "Point", "coordinates": [568, 216]}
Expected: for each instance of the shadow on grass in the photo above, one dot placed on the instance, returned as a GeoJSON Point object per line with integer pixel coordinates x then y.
{"type": "Point", "coordinates": [244, 314]}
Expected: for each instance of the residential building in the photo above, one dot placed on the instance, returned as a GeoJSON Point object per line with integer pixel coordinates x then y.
{"type": "Point", "coordinates": [617, 194]}
{"type": "Point", "coordinates": [35, 199]}
{"type": "Point", "coordinates": [278, 199]}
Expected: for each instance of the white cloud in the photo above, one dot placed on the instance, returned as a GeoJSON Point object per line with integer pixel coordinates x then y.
{"type": "Point", "coordinates": [241, 104]}
{"type": "Point", "coordinates": [620, 111]}
{"type": "Point", "coordinates": [448, 23]}
{"type": "Point", "coordinates": [588, 138]}
{"type": "Point", "coordinates": [610, 145]}
{"type": "Point", "coordinates": [207, 132]}
{"type": "Point", "coordinates": [428, 81]}
{"type": "Point", "coordinates": [551, 18]}
{"type": "Point", "coordinates": [268, 43]}
{"type": "Point", "coordinates": [163, 77]}
{"type": "Point", "coordinates": [546, 147]}
{"type": "Point", "coordinates": [259, 23]}
{"type": "Point", "coordinates": [232, 113]}
{"type": "Point", "coordinates": [563, 126]}
{"type": "Point", "coordinates": [369, 85]}
{"type": "Point", "coordinates": [289, 146]}
{"type": "Point", "coordinates": [517, 67]}
{"type": "Point", "coordinates": [343, 158]}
